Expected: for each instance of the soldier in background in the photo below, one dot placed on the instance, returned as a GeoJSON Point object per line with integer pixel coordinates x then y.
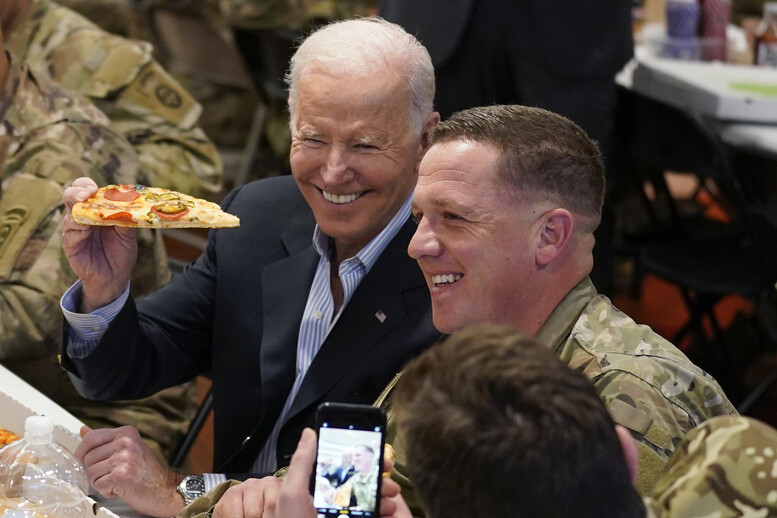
{"type": "Point", "coordinates": [144, 103]}
{"type": "Point", "coordinates": [49, 137]}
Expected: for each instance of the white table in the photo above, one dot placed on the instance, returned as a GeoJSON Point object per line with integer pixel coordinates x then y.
{"type": "Point", "coordinates": [742, 120]}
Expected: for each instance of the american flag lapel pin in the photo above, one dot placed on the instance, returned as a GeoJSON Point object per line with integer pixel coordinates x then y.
{"type": "Point", "coordinates": [381, 316]}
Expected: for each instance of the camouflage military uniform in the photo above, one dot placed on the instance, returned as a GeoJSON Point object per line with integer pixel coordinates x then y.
{"type": "Point", "coordinates": [363, 488]}
{"type": "Point", "coordinates": [143, 102]}
{"type": "Point", "coordinates": [647, 384]}
{"type": "Point", "coordinates": [49, 138]}
{"type": "Point", "coordinates": [724, 468]}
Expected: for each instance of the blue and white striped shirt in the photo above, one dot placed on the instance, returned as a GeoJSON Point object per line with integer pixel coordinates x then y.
{"type": "Point", "coordinates": [319, 318]}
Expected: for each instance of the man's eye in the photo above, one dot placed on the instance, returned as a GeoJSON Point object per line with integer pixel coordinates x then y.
{"type": "Point", "coordinates": [366, 146]}
{"type": "Point", "coordinates": [451, 216]}
{"type": "Point", "coordinates": [311, 140]}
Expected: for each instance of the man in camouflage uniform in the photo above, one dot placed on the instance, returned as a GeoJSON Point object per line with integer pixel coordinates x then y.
{"type": "Point", "coordinates": [122, 79]}
{"type": "Point", "coordinates": [507, 200]}
{"type": "Point", "coordinates": [496, 412]}
{"type": "Point", "coordinates": [50, 137]}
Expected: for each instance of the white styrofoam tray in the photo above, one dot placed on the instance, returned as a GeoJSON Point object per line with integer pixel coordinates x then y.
{"type": "Point", "coordinates": [19, 400]}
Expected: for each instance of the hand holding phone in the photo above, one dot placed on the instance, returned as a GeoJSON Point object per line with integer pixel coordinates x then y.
{"type": "Point", "coordinates": [346, 478]}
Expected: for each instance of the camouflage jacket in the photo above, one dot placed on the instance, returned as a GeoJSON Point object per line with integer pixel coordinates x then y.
{"type": "Point", "coordinates": [647, 384]}
{"type": "Point", "coordinates": [48, 139]}
{"type": "Point", "coordinates": [726, 467]}
{"type": "Point", "coordinates": [143, 102]}
{"type": "Point", "coordinates": [291, 14]}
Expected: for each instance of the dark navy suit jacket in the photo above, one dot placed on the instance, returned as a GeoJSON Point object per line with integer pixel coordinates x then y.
{"type": "Point", "coordinates": [235, 313]}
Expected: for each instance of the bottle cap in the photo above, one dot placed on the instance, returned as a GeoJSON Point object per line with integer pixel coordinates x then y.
{"type": "Point", "coordinates": [770, 7]}
{"type": "Point", "coordinates": [38, 429]}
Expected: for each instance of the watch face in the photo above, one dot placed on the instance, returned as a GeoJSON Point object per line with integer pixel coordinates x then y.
{"type": "Point", "coordinates": [195, 485]}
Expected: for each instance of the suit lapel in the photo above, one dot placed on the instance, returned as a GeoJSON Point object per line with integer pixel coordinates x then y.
{"type": "Point", "coordinates": [374, 309]}
{"type": "Point", "coordinates": [286, 285]}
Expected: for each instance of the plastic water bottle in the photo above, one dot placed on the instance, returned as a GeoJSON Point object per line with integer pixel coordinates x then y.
{"type": "Point", "coordinates": [39, 478]}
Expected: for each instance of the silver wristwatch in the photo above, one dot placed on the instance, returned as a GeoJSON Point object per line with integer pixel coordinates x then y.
{"type": "Point", "coordinates": [191, 488]}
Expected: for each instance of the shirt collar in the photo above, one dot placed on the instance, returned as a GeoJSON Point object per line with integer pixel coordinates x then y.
{"type": "Point", "coordinates": [565, 315]}
{"type": "Point", "coordinates": [368, 255]}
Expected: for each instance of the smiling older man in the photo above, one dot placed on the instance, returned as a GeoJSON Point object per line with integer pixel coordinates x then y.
{"type": "Point", "coordinates": [507, 201]}
{"type": "Point", "coordinates": [312, 299]}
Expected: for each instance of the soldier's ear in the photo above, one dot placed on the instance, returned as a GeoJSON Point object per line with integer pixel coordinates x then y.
{"type": "Point", "coordinates": [629, 451]}
{"type": "Point", "coordinates": [554, 231]}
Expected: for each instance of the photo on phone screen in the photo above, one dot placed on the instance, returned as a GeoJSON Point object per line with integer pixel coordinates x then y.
{"type": "Point", "coordinates": [347, 475]}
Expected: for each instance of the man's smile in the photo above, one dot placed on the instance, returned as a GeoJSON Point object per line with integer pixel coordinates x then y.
{"type": "Point", "coordinates": [445, 279]}
{"type": "Point", "coordinates": [340, 198]}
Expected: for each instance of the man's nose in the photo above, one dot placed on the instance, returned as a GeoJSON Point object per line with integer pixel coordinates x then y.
{"type": "Point", "coordinates": [424, 242]}
{"type": "Point", "coordinates": [336, 170]}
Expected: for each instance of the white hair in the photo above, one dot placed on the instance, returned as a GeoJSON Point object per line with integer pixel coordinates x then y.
{"type": "Point", "coordinates": [364, 45]}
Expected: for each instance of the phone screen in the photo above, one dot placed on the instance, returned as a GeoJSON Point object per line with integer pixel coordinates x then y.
{"type": "Point", "coordinates": [348, 465]}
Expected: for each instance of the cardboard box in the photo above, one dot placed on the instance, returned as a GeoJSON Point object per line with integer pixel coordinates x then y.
{"type": "Point", "coordinates": [19, 400]}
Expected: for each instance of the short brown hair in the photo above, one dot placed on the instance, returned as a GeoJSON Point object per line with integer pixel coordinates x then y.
{"type": "Point", "coordinates": [496, 425]}
{"type": "Point", "coordinates": [545, 155]}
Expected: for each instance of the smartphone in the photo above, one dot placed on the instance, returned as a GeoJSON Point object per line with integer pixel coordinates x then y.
{"type": "Point", "coordinates": [347, 476]}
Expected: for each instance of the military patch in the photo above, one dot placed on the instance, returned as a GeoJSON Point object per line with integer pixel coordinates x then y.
{"type": "Point", "coordinates": [155, 93]}
{"type": "Point", "coordinates": [168, 97]}
{"type": "Point", "coordinates": [10, 221]}
{"type": "Point", "coordinates": [25, 202]}
{"type": "Point", "coordinates": [629, 416]}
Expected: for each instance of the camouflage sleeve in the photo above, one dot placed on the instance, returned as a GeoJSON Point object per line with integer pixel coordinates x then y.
{"type": "Point", "coordinates": [203, 506]}
{"type": "Point", "coordinates": [33, 269]}
{"type": "Point", "coordinates": [395, 437]}
{"type": "Point", "coordinates": [659, 417]}
{"type": "Point", "coordinates": [49, 141]}
{"type": "Point", "coordinates": [144, 103]}
{"type": "Point", "coordinates": [32, 278]}
{"type": "Point", "coordinates": [725, 467]}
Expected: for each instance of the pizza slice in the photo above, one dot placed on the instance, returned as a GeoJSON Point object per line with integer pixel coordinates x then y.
{"type": "Point", "coordinates": [151, 207]}
{"type": "Point", "coordinates": [7, 437]}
